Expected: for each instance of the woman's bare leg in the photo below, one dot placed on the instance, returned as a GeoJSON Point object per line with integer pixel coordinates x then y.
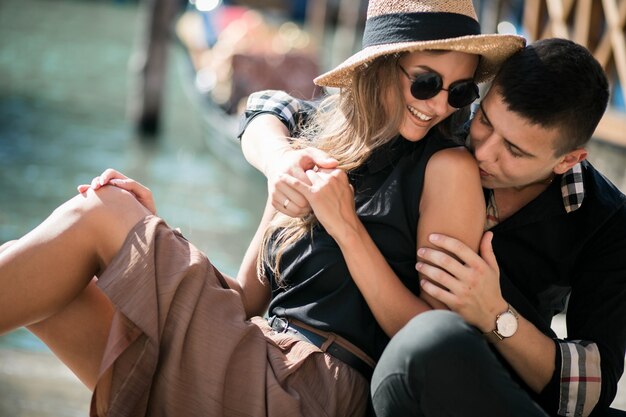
{"type": "Point", "coordinates": [78, 334]}
{"type": "Point", "coordinates": [44, 274]}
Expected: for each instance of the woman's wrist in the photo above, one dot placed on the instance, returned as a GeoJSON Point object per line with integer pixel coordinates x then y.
{"type": "Point", "coordinates": [272, 155]}
{"type": "Point", "coordinates": [351, 233]}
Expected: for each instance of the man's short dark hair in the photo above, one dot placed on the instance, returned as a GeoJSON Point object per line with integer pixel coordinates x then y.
{"type": "Point", "coordinates": [556, 83]}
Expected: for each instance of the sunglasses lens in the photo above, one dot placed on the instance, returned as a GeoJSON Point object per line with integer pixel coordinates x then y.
{"type": "Point", "coordinates": [426, 85]}
{"type": "Point", "coordinates": [462, 94]}
{"type": "Point", "coordinates": [429, 84]}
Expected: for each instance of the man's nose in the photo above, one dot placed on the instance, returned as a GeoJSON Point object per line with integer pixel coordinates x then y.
{"type": "Point", "coordinates": [485, 150]}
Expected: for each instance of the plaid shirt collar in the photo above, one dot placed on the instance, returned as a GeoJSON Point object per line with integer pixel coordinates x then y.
{"type": "Point", "coordinates": [572, 193]}
{"type": "Point", "coordinates": [573, 188]}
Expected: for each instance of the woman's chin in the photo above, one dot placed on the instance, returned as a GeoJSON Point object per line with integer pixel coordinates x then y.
{"type": "Point", "coordinates": [415, 133]}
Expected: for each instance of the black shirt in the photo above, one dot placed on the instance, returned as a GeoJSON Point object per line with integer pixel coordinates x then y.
{"type": "Point", "coordinates": [318, 288]}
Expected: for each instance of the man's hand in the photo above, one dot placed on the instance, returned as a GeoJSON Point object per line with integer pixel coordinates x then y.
{"type": "Point", "coordinates": [293, 164]}
{"type": "Point", "coordinates": [113, 177]}
{"type": "Point", "coordinates": [472, 281]}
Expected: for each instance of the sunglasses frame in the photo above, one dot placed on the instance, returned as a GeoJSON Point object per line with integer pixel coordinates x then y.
{"type": "Point", "coordinates": [436, 91]}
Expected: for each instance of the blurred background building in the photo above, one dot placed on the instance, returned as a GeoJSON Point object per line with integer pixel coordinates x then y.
{"type": "Point", "coordinates": [237, 50]}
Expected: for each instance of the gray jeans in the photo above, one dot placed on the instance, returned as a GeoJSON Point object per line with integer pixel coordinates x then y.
{"type": "Point", "coordinates": [438, 365]}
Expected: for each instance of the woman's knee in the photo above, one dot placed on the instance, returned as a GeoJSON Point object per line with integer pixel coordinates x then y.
{"type": "Point", "coordinates": [100, 219]}
{"type": "Point", "coordinates": [107, 205]}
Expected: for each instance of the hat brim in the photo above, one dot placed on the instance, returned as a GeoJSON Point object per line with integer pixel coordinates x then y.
{"type": "Point", "coordinates": [493, 49]}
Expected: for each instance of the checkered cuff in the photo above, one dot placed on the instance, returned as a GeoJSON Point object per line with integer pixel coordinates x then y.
{"type": "Point", "coordinates": [581, 378]}
{"type": "Point", "coordinates": [293, 112]}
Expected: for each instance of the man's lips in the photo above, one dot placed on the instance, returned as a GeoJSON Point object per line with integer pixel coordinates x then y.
{"type": "Point", "coordinates": [484, 173]}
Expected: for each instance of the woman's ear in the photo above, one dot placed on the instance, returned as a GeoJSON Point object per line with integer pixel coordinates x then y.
{"type": "Point", "coordinates": [570, 159]}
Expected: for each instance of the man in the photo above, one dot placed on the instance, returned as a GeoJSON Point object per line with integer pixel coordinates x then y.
{"type": "Point", "coordinates": [557, 235]}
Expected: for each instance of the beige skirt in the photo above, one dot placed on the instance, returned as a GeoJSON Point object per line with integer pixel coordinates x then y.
{"type": "Point", "coordinates": [180, 344]}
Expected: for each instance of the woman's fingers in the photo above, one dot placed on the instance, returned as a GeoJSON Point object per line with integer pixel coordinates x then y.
{"type": "Point", "coordinates": [117, 179]}
{"type": "Point", "coordinates": [102, 179]}
{"type": "Point", "coordinates": [141, 192]}
{"type": "Point", "coordinates": [289, 201]}
{"type": "Point", "coordinates": [110, 174]}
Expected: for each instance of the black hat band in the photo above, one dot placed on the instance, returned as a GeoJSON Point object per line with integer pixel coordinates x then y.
{"type": "Point", "coordinates": [412, 27]}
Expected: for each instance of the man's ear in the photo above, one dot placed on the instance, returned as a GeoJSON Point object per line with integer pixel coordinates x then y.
{"type": "Point", "coordinates": [569, 160]}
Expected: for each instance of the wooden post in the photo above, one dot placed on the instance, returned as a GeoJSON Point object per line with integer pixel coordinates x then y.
{"type": "Point", "coordinates": [532, 17]}
{"type": "Point", "coordinates": [316, 21]}
{"type": "Point", "coordinates": [149, 63]}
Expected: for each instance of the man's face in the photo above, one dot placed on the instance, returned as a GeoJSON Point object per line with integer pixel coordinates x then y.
{"type": "Point", "coordinates": [512, 152]}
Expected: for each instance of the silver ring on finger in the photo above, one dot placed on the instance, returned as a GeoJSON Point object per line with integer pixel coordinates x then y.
{"type": "Point", "coordinates": [286, 203]}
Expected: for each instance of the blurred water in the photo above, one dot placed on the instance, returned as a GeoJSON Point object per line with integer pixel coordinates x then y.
{"type": "Point", "coordinates": [64, 82]}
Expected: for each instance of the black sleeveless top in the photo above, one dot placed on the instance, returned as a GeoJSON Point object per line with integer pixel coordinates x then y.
{"type": "Point", "coordinates": [317, 287]}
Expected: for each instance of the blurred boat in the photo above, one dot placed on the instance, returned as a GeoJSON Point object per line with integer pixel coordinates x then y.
{"type": "Point", "coordinates": [233, 51]}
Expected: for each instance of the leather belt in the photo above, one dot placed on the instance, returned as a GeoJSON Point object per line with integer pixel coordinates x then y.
{"type": "Point", "coordinates": [327, 342]}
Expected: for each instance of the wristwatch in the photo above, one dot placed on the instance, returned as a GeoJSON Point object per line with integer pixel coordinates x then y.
{"type": "Point", "coordinates": [506, 325]}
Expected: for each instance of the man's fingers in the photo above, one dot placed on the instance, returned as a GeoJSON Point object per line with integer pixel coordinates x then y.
{"type": "Point", "coordinates": [486, 251]}
{"type": "Point", "coordinates": [455, 247]}
{"type": "Point", "coordinates": [437, 292]}
{"type": "Point", "coordinates": [442, 260]}
{"type": "Point", "coordinates": [438, 276]}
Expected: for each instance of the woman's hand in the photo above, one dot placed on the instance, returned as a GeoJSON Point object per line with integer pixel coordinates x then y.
{"type": "Point", "coordinates": [117, 179]}
{"type": "Point", "coordinates": [293, 164]}
{"type": "Point", "coordinates": [331, 197]}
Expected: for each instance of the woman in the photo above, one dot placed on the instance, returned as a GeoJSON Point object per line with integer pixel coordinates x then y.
{"type": "Point", "coordinates": [162, 332]}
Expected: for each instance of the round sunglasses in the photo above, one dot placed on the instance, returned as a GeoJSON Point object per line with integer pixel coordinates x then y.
{"type": "Point", "coordinates": [428, 84]}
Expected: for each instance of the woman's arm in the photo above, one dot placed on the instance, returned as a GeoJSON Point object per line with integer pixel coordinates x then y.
{"type": "Point", "coordinates": [254, 290]}
{"type": "Point", "coordinates": [264, 141]}
{"type": "Point", "coordinates": [331, 197]}
{"type": "Point", "coordinates": [452, 203]}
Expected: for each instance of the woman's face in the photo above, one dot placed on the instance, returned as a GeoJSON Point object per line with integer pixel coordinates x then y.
{"type": "Point", "coordinates": [421, 115]}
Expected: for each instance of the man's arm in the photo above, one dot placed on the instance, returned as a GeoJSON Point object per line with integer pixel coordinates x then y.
{"type": "Point", "coordinates": [574, 376]}
{"type": "Point", "coordinates": [591, 358]}
{"type": "Point", "coordinates": [474, 292]}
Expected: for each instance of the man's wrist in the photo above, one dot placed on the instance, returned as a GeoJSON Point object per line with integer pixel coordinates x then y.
{"type": "Point", "coordinates": [505, 325]}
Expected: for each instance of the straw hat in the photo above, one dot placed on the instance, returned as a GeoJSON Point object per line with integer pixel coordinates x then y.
{"type": "Point", "coordinates": [394, 26]}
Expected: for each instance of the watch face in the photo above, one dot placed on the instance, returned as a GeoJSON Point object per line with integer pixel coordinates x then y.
{"type": "Point", "coordinates": [507, 324]}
